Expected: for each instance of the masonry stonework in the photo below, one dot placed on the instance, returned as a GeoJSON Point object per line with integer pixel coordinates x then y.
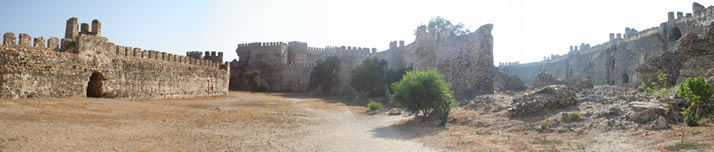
{"type": "Point", "coordinates": [465, 60]}
{"type": "Point", "coordinates": [615, 61]}
{"type": "Point", "coordinates": [87, 64]}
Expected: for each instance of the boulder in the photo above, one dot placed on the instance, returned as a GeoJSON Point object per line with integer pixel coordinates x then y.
{"type": "Point", "coordinates": [395, 111]}
{"type": "Point", "coordinates": [645, 112]}
{"type": "Point", "coordinates": [544, 79]}
{"type": "Point", "coordinates": [543, 99]}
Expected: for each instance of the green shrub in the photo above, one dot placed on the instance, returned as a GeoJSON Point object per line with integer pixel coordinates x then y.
{"type": "Point", "coordinates": [424, 92]}
{"type": "Point", "coordinates": [695, 90]}
{"type": "Point", "coordinates": [658, 89]}
{"type": "Point", "coordinates": [373, 105]}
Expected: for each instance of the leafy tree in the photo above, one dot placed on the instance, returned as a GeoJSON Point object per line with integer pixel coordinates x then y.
{"type": "Point", "coordinates": [694, 90]}
{"type": "Point", "coordinates": [395, 75]}
{"type": "Point", "coordinates": [440, 24]}
{"type": "Point", "coordinates": [324, 74]}
{"type": "Point", "coordinates": [424, 92]}
{"type": "Point", "coordinates": [369, 76]}
{"type": "Point", "coordinates": [253, 80]}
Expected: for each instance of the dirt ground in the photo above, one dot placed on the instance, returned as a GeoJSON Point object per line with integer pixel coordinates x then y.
{"type": "Point", "coordinates": [244, 121]}
{"type": "Point", "coordinates": [239, 121]}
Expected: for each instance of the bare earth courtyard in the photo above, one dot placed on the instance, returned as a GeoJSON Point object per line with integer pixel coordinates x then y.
{"type": "Point", "coordinates": [243, 121]}
{"type": "Point", "coordinates": [236, 122]}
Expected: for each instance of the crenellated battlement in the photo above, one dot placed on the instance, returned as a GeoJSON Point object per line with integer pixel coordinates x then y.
{"type": "Point", "coordinates": [25, 41]}
{"type": "Point", "coordinates": [72, 36]}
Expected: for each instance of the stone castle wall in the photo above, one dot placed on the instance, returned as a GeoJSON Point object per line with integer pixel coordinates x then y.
{"type": "Point", "coordinates": [466, 61]}
{"type": "Point", "coordinates": [614, 62]}
{"type": "Point", "coordinates": [36, 70]}
{"type": "Point", "coordinates": [287, 66]}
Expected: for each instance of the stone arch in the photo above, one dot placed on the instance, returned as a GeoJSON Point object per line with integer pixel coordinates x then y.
{"type": "Point", "coordinates": [95, 86]}
{"type": "Point", "coordinates": [625, 78]}
{"type": "Point", "coordinates": [675, 34]}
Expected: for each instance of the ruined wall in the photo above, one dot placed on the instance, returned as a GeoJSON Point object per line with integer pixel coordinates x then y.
{"type": "Point", "coordinates": [54, 71]}
{"type": "Point", "coordinates": [615, 62]}
{"type": "Point", "coordinates": [691, 56]}
{"type": "Point", "coordinates": [466, 61]}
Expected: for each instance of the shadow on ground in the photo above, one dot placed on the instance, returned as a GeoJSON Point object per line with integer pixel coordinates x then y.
{"type": "Point", "coordinates": [408, 129]}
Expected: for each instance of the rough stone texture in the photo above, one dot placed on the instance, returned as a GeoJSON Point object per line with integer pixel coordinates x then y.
{"type": "Point", "coordinates": [53, 43]}
{"type": "Point", "coordinates": [543, 99]}
{"type": "Point", "coordinates": [465, 60]}
{"type": "Point", "coordinates": [509, 82]}
{"type": "Point", "coordinates": [42, 72]}
{"type": "Point", "coordinates": [615, 61]}
{"type": "Point", "coordinates": [9, 39]}
{"type": "Point", "coordinates": [581, 84]}
{"type": "Point", "coordinates": [39, 42]}
{"type": "Point", "coordinates": [25, 40]}
{"type": "Point", "coordinates": [645, 112]}
{"type": "Point", "coordinates": [692, 56]}
{"type": "Point", "coordinates": [545, 79]}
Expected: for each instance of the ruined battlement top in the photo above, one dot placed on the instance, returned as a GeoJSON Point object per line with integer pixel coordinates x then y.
{"type": "Point", "coordinates": [302, 46]}
{"type": "Point", "coordinates": [73, 36]}
{"type": "Point", "coordinates": [281, 67]}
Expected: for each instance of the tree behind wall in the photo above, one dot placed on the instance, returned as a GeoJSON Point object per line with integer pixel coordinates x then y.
{"type": "Point", "coordinates": [369, 77]}
{"type": "Point", "coordinates": [324, 74]}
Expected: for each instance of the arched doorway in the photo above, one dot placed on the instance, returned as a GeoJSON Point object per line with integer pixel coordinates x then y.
{"type": "Point", "coordinates": [95, 85]}
{"type": "Point", "coordinates": [674, 34]}
{"type": "Point", "coordinates": [625, 78]}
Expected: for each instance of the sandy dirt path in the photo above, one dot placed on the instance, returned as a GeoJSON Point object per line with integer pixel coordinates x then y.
{"type": "Point", "coordinates": [236, 122]}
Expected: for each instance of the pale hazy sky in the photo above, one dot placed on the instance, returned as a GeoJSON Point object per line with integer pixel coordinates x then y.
{"type": "Point", "coordinates": [524, 30]}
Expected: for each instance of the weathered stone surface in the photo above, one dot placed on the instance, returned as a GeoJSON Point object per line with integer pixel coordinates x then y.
{"type": "Point", "coordinates": [53, 43]}
{"type": "Point", "coordinates": [9, 39]}
{"type": "Point", "coordinates": [25, 40]}
{"type": "Point", "coordinates": [645, 112]}
{"type": "Point", "coordinates": [581, 84]}
{"type": "Point", "coordinates": [616, 61]}
{"type": "Point", "coordinates": [691, 57]}
{"type": "Point", "coordinates": [545, 79]}
{"type": "Point", "coordinates": [395, 111]}
{"type": "Point", "coordinates": [543, 99]}
{"type": "Point", "coordinates": [39, 42]}
{"type": "Point", "coordinates": [465, 60]}
{"type": "Point", "coordinates": [509, 82]}
{"type": "Point", "coordinates": [37, 72]}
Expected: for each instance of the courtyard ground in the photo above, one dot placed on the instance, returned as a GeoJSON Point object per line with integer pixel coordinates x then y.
{"type": "Point", "coordinates": [243, 121]}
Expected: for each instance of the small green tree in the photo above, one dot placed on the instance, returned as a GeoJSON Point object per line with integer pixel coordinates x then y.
{"type": "Point", "coordinates": [440, 24]}
{"type": "Point", "coordinates": [369, 76]}
{"type": "Point", "coordinates": [324, 74]}
{"type": "Point", "coordinates": [424, 92]}
{"type": "Point", "coordinates": [658, 89]}
{"type": "Point", "coordinates": [253, 80]}
{"type": "Point", "coordinates": [694, 90]}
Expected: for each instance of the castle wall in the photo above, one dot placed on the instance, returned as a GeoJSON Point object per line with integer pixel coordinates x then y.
{"type": "Point", "coordinates": [38, 71]}
{"type": "Point", "coordinates": [466, 61]}
{"type": "Point", "coordinates": [615, 62]}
